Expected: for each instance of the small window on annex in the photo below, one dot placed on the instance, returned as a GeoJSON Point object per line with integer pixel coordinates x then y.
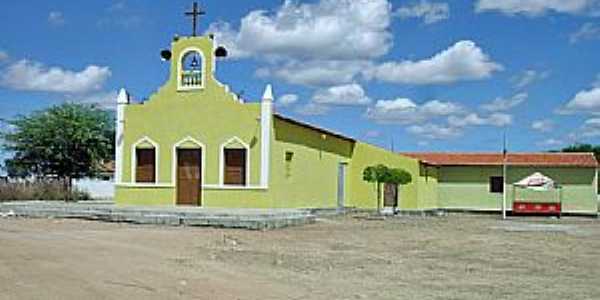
{"type": "Point", "coordinates": [191, 70]}
{"type": "Point", "coordinates": [497, 184]}
{"type": "Point", "coordinates": [145, 169]}
{"type": "Point", "coordinates": [235, 166]}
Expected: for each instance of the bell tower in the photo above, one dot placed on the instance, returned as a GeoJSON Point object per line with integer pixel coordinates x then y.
{"type": "Point", "coordinates": [193, 57]}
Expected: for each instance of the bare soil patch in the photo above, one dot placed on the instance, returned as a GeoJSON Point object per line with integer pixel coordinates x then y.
{"type": "Point", "coordinates": [453, 257]}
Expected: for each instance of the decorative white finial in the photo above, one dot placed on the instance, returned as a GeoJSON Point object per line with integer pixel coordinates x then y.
{"type": "Point", "coordinates": [268, 94]}
{"type": "Point", "coordinates": [123, 97]}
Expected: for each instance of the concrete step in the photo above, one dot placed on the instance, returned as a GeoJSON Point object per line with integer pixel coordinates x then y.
{"type": "Point", "coordinates": [255, 219]}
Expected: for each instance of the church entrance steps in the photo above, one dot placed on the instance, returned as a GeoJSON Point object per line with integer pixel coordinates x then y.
{"type": "Point", "coordinates": [253, 219]}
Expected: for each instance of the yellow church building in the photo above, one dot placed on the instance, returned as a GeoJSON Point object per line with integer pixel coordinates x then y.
{"type": "Point", "coordinates": [194, 142]}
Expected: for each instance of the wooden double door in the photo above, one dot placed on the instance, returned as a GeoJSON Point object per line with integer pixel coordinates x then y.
{"type": "Point", "coordinates": [189, 177]}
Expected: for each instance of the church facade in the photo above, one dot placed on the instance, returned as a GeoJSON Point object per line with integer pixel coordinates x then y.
{"type": "Point", "coordinates": [195, 143]}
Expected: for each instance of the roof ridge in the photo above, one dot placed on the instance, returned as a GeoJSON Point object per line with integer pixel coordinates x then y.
{"type": "Point", "coordinates": [500, 153]}
{"type": "Point", "coordinates": [314, 127]}
{"type": "Point", "coordinates": [583, 159]}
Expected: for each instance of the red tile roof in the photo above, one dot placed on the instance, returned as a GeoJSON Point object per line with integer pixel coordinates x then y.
{"type": "Point", "coordinates": [515, 159]}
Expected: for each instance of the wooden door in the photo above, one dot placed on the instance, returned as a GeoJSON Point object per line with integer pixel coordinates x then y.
{"type": "Point", "coordinates": [189, 177]}
{"type": "Point", "coordinates": [390, 195]}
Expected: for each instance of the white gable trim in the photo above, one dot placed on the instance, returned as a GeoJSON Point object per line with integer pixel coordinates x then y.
{"type": "Point", "coordinates": [266, 114]}
{"type": "Point", "coordinates": [222, 160]}
{"type": "Point", "coordinates": [145, 139]}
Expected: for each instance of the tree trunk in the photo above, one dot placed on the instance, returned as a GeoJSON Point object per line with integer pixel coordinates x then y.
{"type": "Point", "coordinates": [398, 199]}
{"type": "Point", "coordinates": [68, 187]}
{"type": "Point", "coordinates": [378, 198]}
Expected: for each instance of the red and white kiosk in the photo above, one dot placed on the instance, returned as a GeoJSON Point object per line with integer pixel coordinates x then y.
{"type": "Point", "coordinates": [537, 194]}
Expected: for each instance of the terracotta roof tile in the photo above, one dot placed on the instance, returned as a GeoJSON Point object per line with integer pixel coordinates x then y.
{"type": "Point", "coordinates": [514, 159]}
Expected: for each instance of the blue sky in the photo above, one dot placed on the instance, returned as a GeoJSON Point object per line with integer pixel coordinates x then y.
{"type": "Point", "coordinates": [432, 75]}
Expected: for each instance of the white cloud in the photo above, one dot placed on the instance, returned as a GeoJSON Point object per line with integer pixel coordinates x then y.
{"type": "Point", "coordinates": [431, 12]}
{"type": "Point", "coordinates": [405, 111]}
{"type": "Point", "coordinates": [590, 128]}
{"type": "Point", "coordinates": [317, 44]}
{"type": "Point", "coordinates": [105, 100]}
{"type": "Point", "coordinates": [3, 56]}
{"type": "Point", "coordinates": [313, 109]}
{"type": "Point", "coordinates": [457, 124]}
{"type": "Point", "coordinates": [349, 94]}
{"type": "Point", "coordinates": [373, 134]}
{"type": "Point", "coordinates": [56, 18]}
{"type": "Point", "coordinates": [551, 142]}
{"type": "Point", "coordinates": [33, 76]}
{"type": "Point", "coordinates": [596, 82]}
{"type": "Point", "coordinates": [588, 31]}
{"type": "Point", "coordinates": [227, 36]}
{"type": "Point", "coordinates": [473, 119]}
{"type": "Point", "coordinates": [586, 101]}
{"type": "Point", "coordinates": [315, 73]}
{"type": "Point", "coordinates": [504, 104]}
{"type": "Point", "coordinates": [120, 15]}
{"type": "Point", "coordinates": [462, 61]}
{"type": "Point", "coordinates": [287, 100]}
{"type": "Point", "coordinates": [435, 132]}
{"type": "Point", "coordinates": [433, 119]}
{"type": "Point", "coordinates": [543, 125]}
{"type": "Point", "coordinates": [534, 8]}
{"type": "Point", "coordinates": [529, 77]}
{"type": "Point", "coordinates": [326, 30]}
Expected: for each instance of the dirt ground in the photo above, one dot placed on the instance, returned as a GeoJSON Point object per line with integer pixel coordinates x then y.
{"type": "Point", "coordinates": [452, 257]}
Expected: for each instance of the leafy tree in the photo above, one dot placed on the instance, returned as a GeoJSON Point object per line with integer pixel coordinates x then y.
{"type": "Point", "coordinates": [67, 142]}
{"type": "Point", "coordinates": [380, 174]}
{"type": "Point", "coordinates": [398, 177]}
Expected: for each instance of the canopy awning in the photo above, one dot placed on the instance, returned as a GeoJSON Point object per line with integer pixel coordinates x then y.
{"type": "Point", "coordinates": [536, 181]}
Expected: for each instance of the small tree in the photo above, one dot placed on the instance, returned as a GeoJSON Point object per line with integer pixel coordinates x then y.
{"type": "Point", "coordinates": [399, 177]}
{"type": "Point", "coordinates": [67, 142]}
{"type": "Point", "coordinates": [380, 174]}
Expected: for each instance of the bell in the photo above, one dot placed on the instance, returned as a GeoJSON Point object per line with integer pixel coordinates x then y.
{"type": "Point", "coordinates": [194, 63]}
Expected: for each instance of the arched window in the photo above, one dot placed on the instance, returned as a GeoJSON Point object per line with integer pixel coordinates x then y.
{"type": "Point", "coordinates": [191, 70]}
{"type": "Point", "coordinates": [144, 167]}
{"type": "Point", "coordinates": [235, 167]}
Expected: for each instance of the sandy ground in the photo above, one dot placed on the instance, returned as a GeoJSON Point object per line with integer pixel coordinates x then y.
{"type": "Point", "coordinates": [453, 257]}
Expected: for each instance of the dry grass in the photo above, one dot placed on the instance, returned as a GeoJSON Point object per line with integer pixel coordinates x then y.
{"type": "Point", "coordinates": [38, 190]}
